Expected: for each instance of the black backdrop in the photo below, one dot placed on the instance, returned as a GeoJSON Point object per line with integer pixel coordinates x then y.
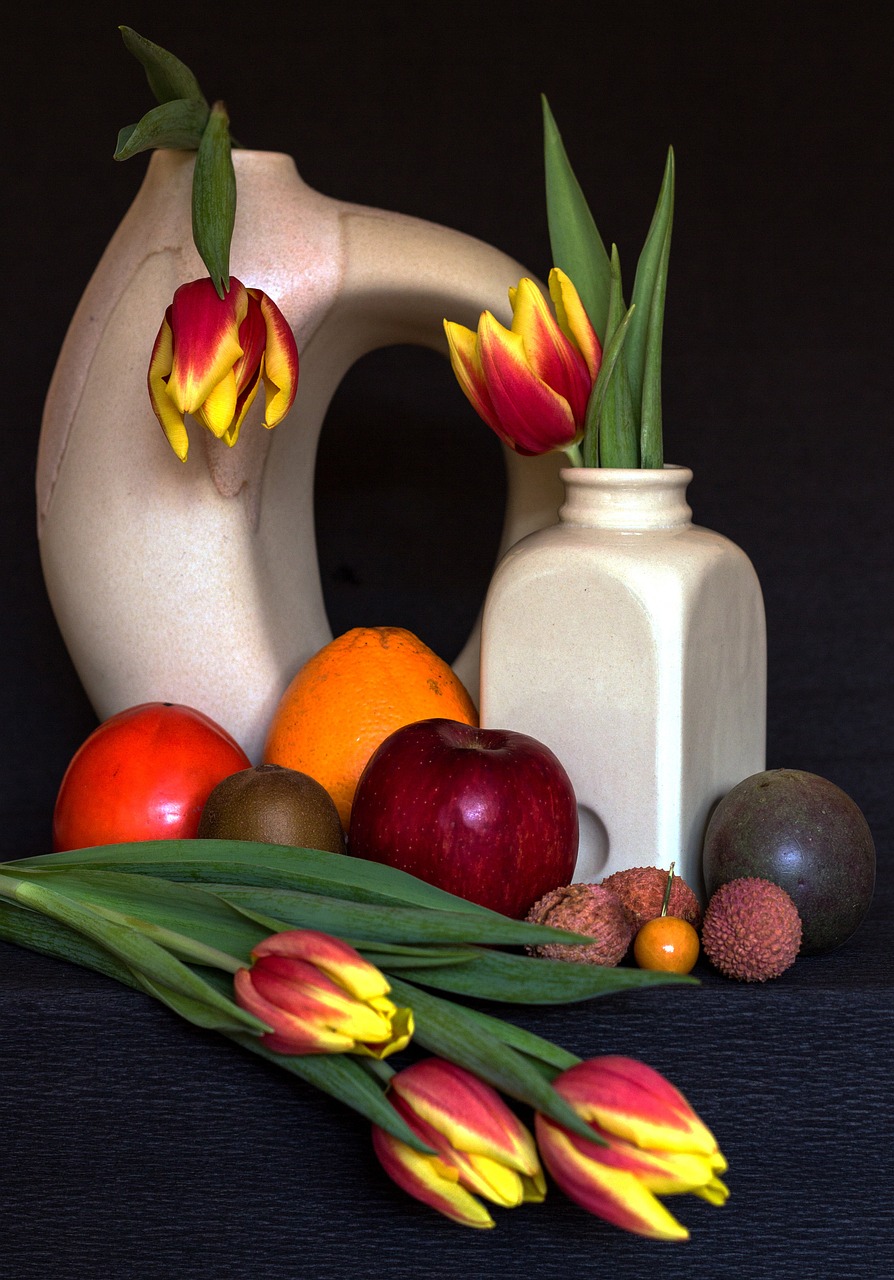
{"type": "Point", "coordinates": [776, 394]}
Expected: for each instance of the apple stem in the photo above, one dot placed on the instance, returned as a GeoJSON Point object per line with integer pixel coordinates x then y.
{"type": "Point", "coordinates": [668, 887]}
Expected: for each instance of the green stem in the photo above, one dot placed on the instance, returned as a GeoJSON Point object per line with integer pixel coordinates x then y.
{"type": "Point", "coordinates": [180, 944]}
{"type": "Point", "coordinates": [573, 454]}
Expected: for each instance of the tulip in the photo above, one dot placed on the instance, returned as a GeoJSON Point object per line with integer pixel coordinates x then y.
{"type": "Point", "coordinates": [211, 355]}
{"type": "Point", "coordinates": [530, 383]}
{"type": "Point", "coordinates": [482, 1147]}
{"type": "Point", "coordinates": [655, 1144]}
{"type": "Point", "coordinates": [318, 995]}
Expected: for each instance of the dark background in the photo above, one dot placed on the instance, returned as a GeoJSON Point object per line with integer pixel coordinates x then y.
{"type": "Point", "coordinates": [776, 393]}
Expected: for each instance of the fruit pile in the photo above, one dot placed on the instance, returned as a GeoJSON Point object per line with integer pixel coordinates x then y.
{"type": "Point", "coordinates": [375, 750]}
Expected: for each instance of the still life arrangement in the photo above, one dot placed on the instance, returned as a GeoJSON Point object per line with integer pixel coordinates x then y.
{"type": "Point", "coordinates": [388, 846]}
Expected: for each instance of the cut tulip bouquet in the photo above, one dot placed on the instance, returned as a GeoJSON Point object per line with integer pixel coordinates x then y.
{"type": "Point", "coordinates": [331, 966]}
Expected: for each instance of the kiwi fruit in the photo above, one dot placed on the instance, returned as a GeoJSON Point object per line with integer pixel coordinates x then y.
{"type": "Point", "coordinates": [274, 805]}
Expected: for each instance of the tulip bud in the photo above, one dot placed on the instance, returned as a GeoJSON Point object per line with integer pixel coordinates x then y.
{"type": "Point", "coordinates": [530, 383]}
{"type": "Point", "coordinates": [652, 1143]}
{"type": "Point", "coordinates": [211, 355]}
{"type": "Point", "coordinates": [318, 995]}
{"type": "Point", "coordinates": [482, 1148]}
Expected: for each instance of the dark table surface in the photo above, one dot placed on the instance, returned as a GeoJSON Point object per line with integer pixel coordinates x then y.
{"type": "Point", "coordinates": [131, 1144]}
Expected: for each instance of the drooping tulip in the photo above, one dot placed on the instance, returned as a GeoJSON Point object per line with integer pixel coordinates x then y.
{"type": "Point", "coordinates": [320, 996]}
{"type": "Point", "coordinates": [211, 355]}
{"type": "Point", "coordinates": [530, 383]}
{"type": "Point", "coordinates": [655, 1145]}
{"type": "Point", "coordinates": [483, 1149]}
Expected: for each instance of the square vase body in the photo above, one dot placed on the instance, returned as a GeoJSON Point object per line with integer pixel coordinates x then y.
{"type": "Point", "coordinates": [633, 644]}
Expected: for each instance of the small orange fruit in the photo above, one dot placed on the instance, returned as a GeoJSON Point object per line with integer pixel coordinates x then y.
{"type": "Point", "coordinates": [350, 696]}
{"type": "Point", "coordinates": [667, 943]}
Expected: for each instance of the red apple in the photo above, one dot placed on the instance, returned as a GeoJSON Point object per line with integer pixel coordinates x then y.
{"type": "Point", "coordinates": [488, 814]}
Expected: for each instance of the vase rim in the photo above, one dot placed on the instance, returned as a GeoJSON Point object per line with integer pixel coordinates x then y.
{"type": "Point", "coordinates": [643, 476]}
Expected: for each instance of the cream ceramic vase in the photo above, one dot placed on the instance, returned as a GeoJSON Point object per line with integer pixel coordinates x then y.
{"type": "Point", "coordinates": [199, 582]}
{"type": "Point", "coordinates": [632, 642]}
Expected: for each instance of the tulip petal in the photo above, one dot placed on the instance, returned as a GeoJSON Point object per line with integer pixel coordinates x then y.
{"type": "Point", "coordinates": [574, 321]}
{"type": "Point", "coordinates": [463, 348]}
{"type": "Point", "coordinates": [616, 1195]}
{"type": "Point", "coordinates": [160, 365]}
{"type": "Point", "coordinates": [635, 1102]}
{"type": "Point", "coordinates": [280, 363]}
{"type": "Point", "coordinates": [336, 958]}
{"type": "Point", "coordinates": [551, 355]}
{"type": "Point", "coordinates": [470, 1114]}
{"type": "Point", "coordinates": [429, 1179]}
{"type": "Point", "coordinates": [533, 417]}
{"type": "Point", "coordinates": [206, 340]}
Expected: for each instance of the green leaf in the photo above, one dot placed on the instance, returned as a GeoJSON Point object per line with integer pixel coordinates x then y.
{"type": "Point", "coordinates": [446, 1029]}
{"type": "Point", "coordinates": [575, 243]}
{"type": "Point", "coordinates": [181, 908]}
{"type": "Point", "coordinates": [178, 124]}
{"type": "Point", "coordinates": [168, 77]}
{"type": "Point", "coordinates": [32, 929]}
{"type": "Point", "coordinates": [644, 346]}
{"type": "Point", "coordinates": [552, 1056]}
{"type": "Point", "coordinates": [343, 1078]}
{"type": "Point", "coordinates": [618, 419]}
{"type": "Point", "coordinates": [610, 358]}
{"type": "Point", "coordinates": [516, 979]}
{"type": "Point", "coordinates": [373, 922]}
{"type": "Point", "coordinates": [252, 863]}
{"type": "Point", "coordinates": [141, 955]}
{"type": "Point", "coordinates": [214, 198]}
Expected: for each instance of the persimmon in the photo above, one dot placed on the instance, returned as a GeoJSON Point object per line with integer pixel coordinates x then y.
{"type": "Point", "coordinates": [143, 774]}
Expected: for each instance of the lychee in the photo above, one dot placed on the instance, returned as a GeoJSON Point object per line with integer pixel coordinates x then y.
{"type": "Point", "coordinates": [642, 889]}
{"type": "Point", "coordinates": [589, 909]}
{"type": "Point", "coordinates": [752, 930]}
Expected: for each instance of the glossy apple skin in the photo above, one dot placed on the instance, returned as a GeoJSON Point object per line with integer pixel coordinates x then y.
{"type": "Point", "coordinates": [488, 814]}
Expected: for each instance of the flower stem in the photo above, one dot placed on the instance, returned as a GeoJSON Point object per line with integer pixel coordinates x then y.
{"type": "Point", "coordinates": [573, 454]}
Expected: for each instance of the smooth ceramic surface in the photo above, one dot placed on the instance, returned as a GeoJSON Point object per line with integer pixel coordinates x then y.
{"type": "Point", "coordinates": [632, 642]}
{"type": "Point", "coordinates": [199, 582]}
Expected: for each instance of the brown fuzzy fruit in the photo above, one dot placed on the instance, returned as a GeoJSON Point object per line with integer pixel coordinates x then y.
{"type": "Point", "coordinates": [274, 805]}
{"type": "Point", "coordinates": [590, 909]}
{"type": "Point", "coordinates": [642, 889]}
{"type": "Point", "coordinates": [752, 930]}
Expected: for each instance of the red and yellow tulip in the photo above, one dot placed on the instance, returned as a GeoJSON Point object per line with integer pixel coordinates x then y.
{"type": "Point", "coordinates": [320, 996]}
{"type": "Point", "coordinates": [482, 1148]}
{"type": "Point", "coordinates": [655, 1145]}
{"type": "Point", "coordinates": [530, 383]}
{"type": "Point", "coordinates": [210, 357]}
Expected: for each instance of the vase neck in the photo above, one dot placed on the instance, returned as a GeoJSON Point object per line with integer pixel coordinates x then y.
{"type": "Point", "coordinates": [635, 500]}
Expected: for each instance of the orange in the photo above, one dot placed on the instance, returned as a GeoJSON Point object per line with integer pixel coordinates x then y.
{"type": "Point", "coordinates": [350, 696]}
{"type": "Point", "coordinates": [666, 943]}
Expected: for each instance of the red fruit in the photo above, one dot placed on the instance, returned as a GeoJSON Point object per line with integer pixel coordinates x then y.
{"type": "Point", "coordinates": [487, 814]}
{"type": "Point", "coordinates": [144, 774]}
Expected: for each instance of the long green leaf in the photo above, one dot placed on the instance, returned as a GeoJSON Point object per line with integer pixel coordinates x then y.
{"type": "Point", "coordinates": [575, 243]}
{"type": "Point", "coordinates": [610, 358]}
{"type": "Point", "coordinates": [618, 421]}
{"type": "Point", "coordinates": [178, 125]}
{"type": "Point", "coordinates": [168, 77]}
{"type": "Point", "coordinates": [343, 1078]}
{"type": "Point", "coordinates": [644, 345]}
{"type": "Point", "coordinates": [374, 922]}
{"type": "Point", "coordinates": [245, 862]}
{"type": "Point", "coordinates": [182, 908]}
{"type": "Point", "coordinates": [446, 1029]}
{"type": "Point", "coordinates": [553, 1057]}
{"type": "Point", "coordinates": [214, 198]}
{"type": "Point", "coordinates": [137, 951]}
{"type": "Point", "coordinates": [340, 1077]}
{"type": "Point", "coordinates": [516, 979]}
